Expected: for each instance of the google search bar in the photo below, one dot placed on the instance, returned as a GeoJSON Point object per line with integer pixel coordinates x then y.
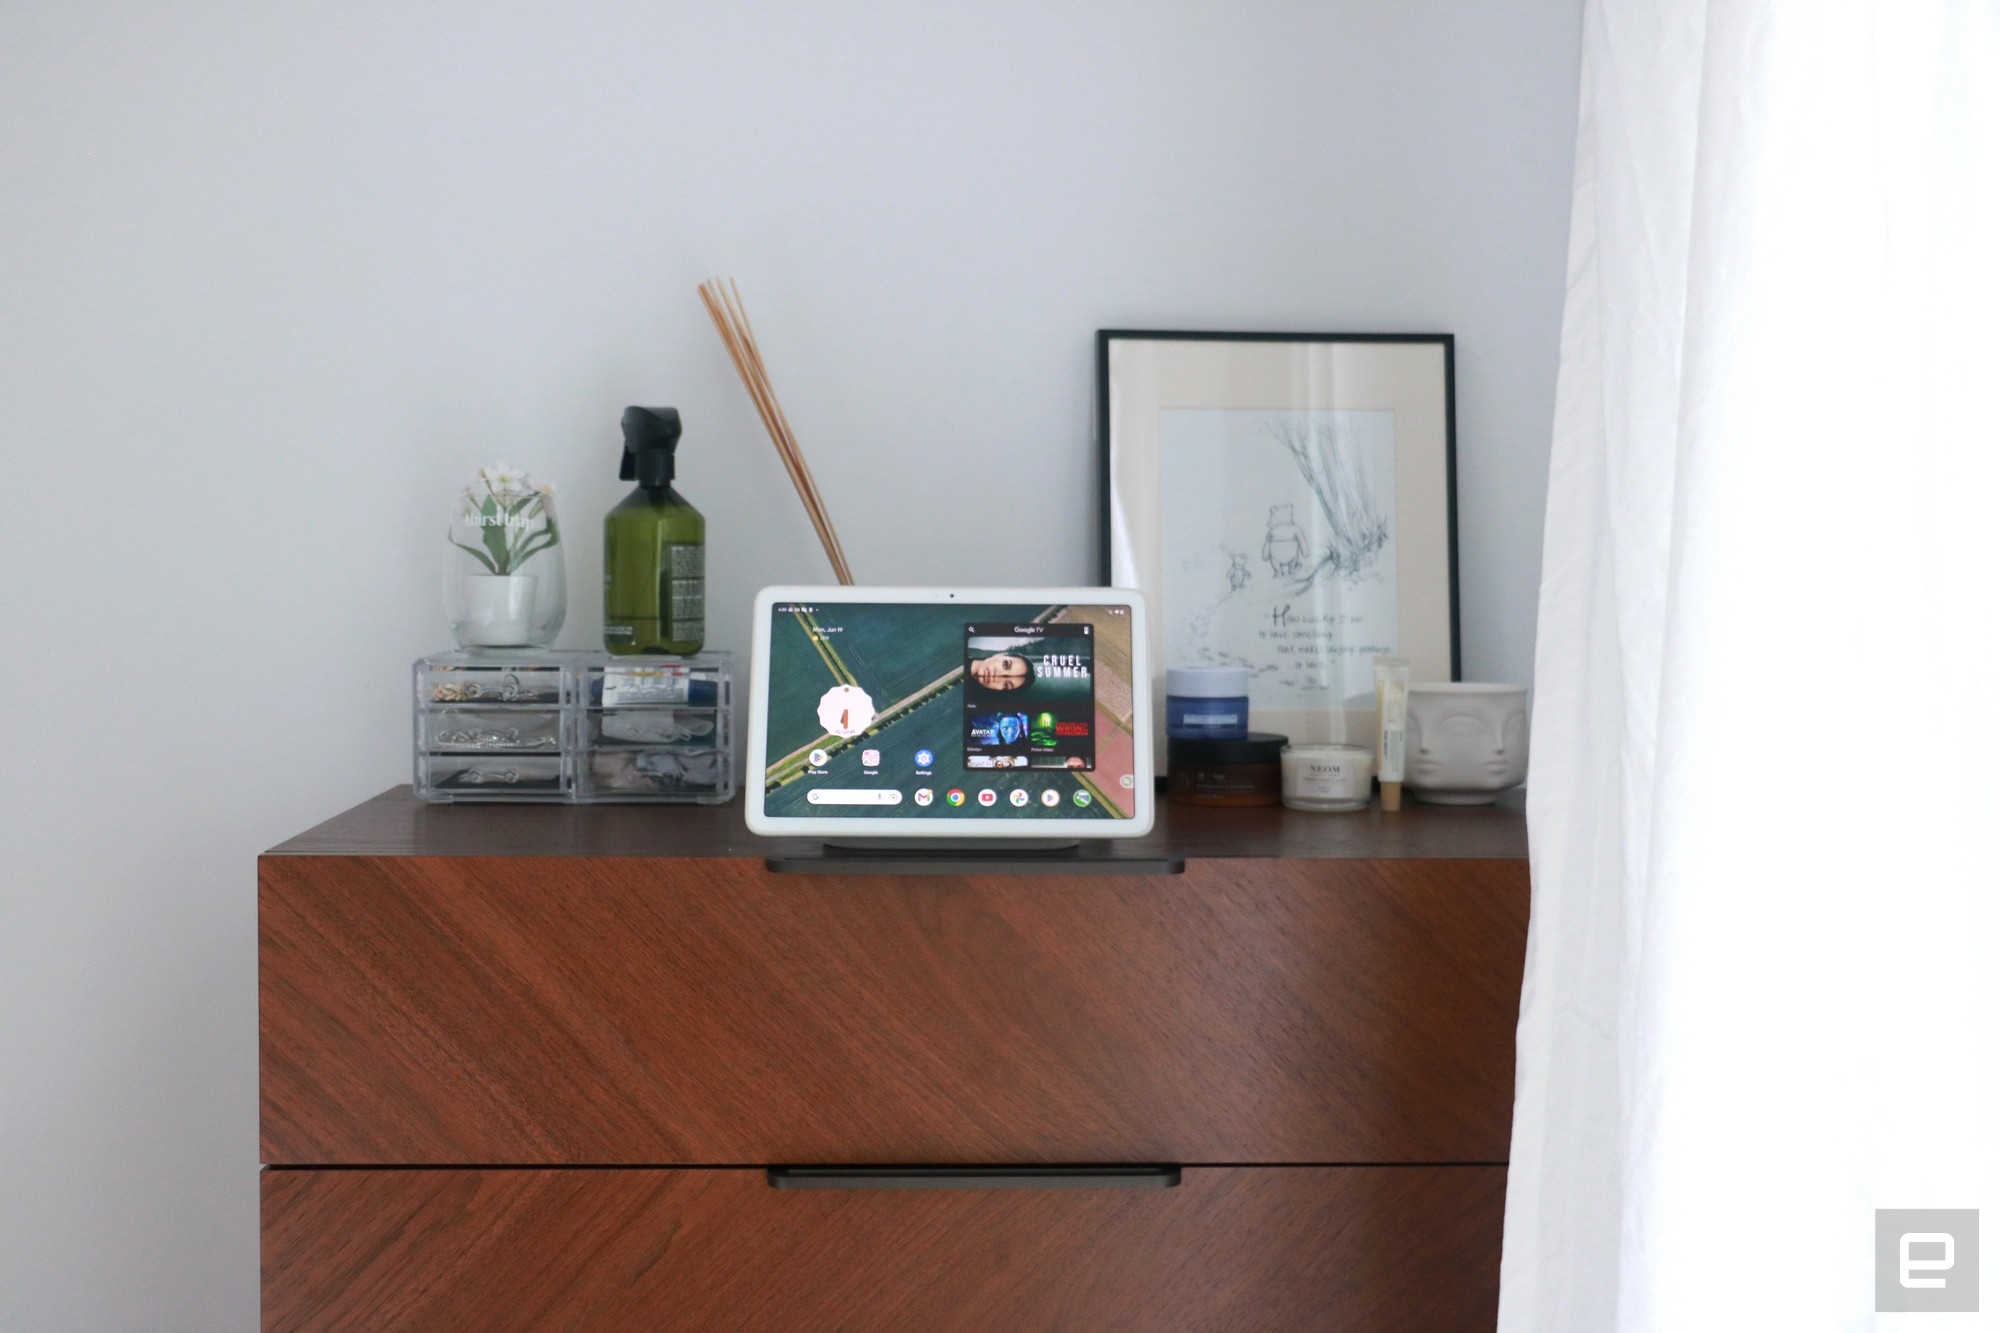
{"type": "Point", "coordinates": [852, 796]}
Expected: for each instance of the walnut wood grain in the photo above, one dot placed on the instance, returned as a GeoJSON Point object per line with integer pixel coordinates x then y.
{"type": "Point", "coordinates": [1358, 1249]}
{"type": "Point", "coordinates": [633, 1010]}
{"type": "Point", "coordinates": [397, 824]}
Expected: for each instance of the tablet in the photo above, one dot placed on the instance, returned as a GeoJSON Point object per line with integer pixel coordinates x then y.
{"type": "Point", "coordinates": [950, 712]}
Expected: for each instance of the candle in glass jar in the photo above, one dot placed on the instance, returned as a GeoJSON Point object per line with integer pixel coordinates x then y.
{"type": "Point", "coordinates": [1326, 777]}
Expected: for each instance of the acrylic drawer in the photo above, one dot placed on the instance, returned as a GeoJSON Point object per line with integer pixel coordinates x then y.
{"type": "Point", "coordinates": [492, 684]}
{"type": "Point", "coordinates": [461, 729]}
{"type": "Point", "coordinates": [492, 777]}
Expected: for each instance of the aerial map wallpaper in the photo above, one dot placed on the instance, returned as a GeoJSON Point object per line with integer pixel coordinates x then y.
{"type": "Point", "coordinates": [915, 710]}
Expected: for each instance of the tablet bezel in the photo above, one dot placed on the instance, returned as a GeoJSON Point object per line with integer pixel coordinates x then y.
{"type": "Point", "coordinates": [892, 826]}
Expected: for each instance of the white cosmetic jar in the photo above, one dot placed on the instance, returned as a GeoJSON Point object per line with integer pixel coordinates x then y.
{"type": "Point", "coordinates": [1326, 777]}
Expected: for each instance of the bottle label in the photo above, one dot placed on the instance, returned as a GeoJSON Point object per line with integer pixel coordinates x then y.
{"type": "Point", "coordinates": [684, 565]}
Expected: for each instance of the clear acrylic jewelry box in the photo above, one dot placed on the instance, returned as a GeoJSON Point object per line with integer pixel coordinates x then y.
{"type": "Point", "coordinates": [536, 725]}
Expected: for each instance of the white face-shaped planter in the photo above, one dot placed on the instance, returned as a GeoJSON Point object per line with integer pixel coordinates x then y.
{"type": "Point", "coordinates": [1467, 742]}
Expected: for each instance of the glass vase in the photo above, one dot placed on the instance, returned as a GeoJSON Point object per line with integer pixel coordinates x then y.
{"type": "Point", "coordinates": [504, 581]}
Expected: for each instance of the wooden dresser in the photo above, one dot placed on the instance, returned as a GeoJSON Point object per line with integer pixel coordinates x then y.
{"type": "Point", "coordinates": [531, 1068]}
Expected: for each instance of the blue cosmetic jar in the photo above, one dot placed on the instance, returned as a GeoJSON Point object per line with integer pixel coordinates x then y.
{"type": "Point", "coordinates": [1208, 703]}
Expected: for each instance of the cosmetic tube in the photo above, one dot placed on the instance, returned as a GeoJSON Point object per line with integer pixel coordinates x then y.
{"type": "Point", "coordinates": [1392, 708]}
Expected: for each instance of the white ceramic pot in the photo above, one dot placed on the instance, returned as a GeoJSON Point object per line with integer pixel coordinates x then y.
{"type": "Point", "coordinates": [499, 610]}
{"type": "Point", "coordinates": [1467, 742]}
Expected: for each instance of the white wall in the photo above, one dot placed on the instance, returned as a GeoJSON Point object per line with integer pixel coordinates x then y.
{"type": "Point", "coordinates": [273, 278]}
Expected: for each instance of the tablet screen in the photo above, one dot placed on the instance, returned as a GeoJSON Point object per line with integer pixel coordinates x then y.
{"type": "Point", "coordinates": [912, 710]}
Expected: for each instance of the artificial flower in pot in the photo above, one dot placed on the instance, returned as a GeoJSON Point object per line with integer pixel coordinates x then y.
{"type": "Point", "coordinates": [504, 584]}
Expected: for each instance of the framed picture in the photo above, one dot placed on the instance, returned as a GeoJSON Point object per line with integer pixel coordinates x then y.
{"type": "Point", "coordinates": [1286, 503]}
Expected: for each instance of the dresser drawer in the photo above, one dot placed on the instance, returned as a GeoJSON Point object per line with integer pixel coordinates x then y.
{"type": "Point", "coordinates": [1411, 1249]}
{"type": "Point", "coordinates": [640, 1010]}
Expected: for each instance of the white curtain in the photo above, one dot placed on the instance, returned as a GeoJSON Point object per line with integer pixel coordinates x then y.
{"type": "Point", "coordinates": [1763, 986]}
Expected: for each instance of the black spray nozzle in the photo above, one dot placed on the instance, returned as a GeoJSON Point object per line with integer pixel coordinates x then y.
{"type": "Point", "coordinates": [650, 436]}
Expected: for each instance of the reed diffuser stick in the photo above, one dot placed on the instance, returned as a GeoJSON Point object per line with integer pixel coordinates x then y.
{"type": "Point", "coordinates": [781, 426]}
{"type": "Point", "coordinates": [759, 399]}
{"type": "Point", "coordinates": [764, 400]}
{"type": "Point", "coordinates": [732, 322]}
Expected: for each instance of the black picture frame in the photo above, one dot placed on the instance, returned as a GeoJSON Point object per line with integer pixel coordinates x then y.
{"type": "Point", "coordinates": [1109, 465]}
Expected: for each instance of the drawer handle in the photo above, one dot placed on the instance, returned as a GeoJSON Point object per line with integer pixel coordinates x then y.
{"type": "Point", "coordinates": [973, 1177]}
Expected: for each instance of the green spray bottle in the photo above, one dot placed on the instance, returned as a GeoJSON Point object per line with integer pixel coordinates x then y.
{"type": "Point", "coordinates": [655, 552]}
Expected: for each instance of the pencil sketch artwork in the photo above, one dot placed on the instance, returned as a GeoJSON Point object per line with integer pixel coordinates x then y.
{"type": "Point", "coordinates": [1279, 548]}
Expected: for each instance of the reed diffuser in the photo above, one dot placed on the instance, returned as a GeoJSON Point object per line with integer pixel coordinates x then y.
{"type": "Point", "coordinates": [732, 321]}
